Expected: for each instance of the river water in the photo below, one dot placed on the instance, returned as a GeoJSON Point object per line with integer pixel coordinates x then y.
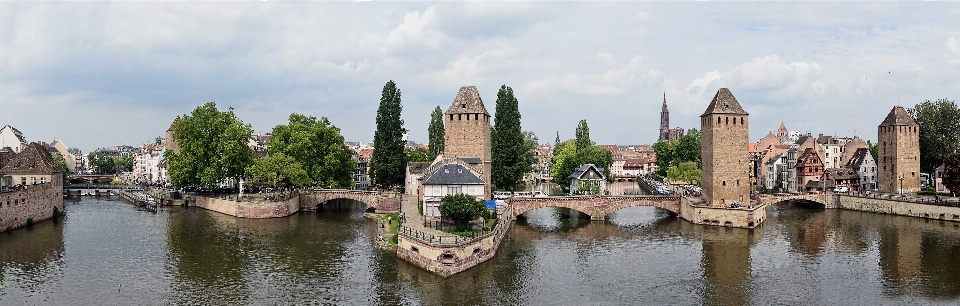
{"type": "Point", "coordinates": [107, 252]}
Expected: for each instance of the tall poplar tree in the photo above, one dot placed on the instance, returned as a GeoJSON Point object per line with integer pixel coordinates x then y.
{"type": "Point", "coordinates": [388, 163]}
{"type": "Point", "coordinates": [436, 132]}
{"type": "Point", "coordinates": [508, 148]}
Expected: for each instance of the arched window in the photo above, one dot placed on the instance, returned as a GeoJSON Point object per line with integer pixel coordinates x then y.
{"type": "Point", "coordinates": [741, 120]}
{"type": "Point", "coordinates": [727, 120]}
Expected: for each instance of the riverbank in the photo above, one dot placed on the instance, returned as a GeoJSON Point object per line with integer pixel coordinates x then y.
{"type": "Point", "coordinates": [387, 228]}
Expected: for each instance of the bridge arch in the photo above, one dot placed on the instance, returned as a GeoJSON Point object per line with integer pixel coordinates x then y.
{"type": "Point", "coordinates": [598, 207]}
{"type": "Point", "coordinates": [376, 200]}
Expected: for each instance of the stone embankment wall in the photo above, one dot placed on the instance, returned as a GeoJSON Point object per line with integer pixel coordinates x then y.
{"type": "Point", "coordinates": [35, 203]}
{"type": "Point", "coordinates": [380, 201]}
{"type": "Point", "coordinates": [245, 209]}
{"type": "Point", "coordinates": [898, 207]}
{"type": "Point", "coordinates": [732, 217]}
{"type": "Point", "coordinates": [445, 258]}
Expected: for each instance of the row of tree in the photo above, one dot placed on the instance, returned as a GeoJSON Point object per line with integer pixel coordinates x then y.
{"type": "Point", "coordinates": [680, 159]}
{"type": "Point", "coordinates": [939, 124]}
{"type": "Point", "coordinates": [109, 164]}
{"type": "Point", "coordinates": [214, 147]}
{"type": "Point", "coordinates": [513, 151]}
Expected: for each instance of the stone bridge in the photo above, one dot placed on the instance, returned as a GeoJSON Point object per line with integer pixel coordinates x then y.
{"type": "Point", "coordinates": [598, 207]}
{"type": "Point", "coordinates": [379, 201]}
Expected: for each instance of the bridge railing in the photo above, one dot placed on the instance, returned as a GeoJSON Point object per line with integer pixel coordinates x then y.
{"type": "Point", "coordinates": [905, 198]}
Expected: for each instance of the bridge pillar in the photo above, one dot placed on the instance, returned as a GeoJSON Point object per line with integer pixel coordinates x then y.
{"type": "Point", "coordinates": [597, 215]}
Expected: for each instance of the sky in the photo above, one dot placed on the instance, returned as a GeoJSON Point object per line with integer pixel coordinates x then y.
{"type": "Point", "coordinates": [96, 74]}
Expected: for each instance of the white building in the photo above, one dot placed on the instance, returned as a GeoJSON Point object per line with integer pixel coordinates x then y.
{"type": "Point", "coordinates": [451, 178]}
{"type": "Point", "coordinates": [11, 137]}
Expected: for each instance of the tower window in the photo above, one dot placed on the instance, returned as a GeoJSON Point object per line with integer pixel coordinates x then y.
{"type": "Point", "coordinates": [741, 120]}
{"type": "Point", "coordinates": [723, 183]}
{"type": "Point", "coordinates": [727, 120]}
{"type": "Point", "coordinates": [451, 117]}
{"type": "Point", "coordinates": [718, 120]}
{"type": "Point", "coordinates": [459, 117]}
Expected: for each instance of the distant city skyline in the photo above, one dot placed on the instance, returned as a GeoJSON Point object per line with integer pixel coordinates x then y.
{"type": "Point", "coordinates": [100, 74]}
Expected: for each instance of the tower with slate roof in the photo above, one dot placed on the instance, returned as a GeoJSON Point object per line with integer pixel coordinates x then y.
{"type": "Point", "coordinates": [898, 153]}
{"type": "Point", "coordinates": [467, 130]}
{"type": "Point", "coordinates": [724, 142]}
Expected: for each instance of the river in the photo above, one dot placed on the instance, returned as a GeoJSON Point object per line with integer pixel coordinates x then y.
{"type": "Point", "coordinates": [108, 252]}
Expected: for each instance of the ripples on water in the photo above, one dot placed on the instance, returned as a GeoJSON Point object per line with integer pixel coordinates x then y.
{"type": "Point", "coordinates": [106, 252]}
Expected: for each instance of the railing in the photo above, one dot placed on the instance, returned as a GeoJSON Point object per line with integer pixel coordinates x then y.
{"type": "Point", "coordinates": [904, 198]}
{"type": "Point", "coordinates": [100, 186]}
{"type": "Point", "coordinates": [438, 240]}
{"type": "Point", "coordinates": [249, 197]}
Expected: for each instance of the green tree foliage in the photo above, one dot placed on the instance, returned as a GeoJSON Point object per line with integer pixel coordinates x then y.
{"type": "Point", "coordinates": [123, 163]}
{"type": "Point", "coordinates": [570, 154]}
{"type": "Point", "coordinates": [437, 132]}
{"type": "Point", "coordinates": [389, 161]}
{"type": "Point", "coordinates": [530, 143]}
{"type": "Point", "coordinates": [279, 170]}
{"type": "Point", "coordinates": [673, 153]}
{"type": "Point", "coordinates": [939, 123]}
{"type": "Point", "coordinates": [685, 171]}
{"type": "Point", "coordinates": [317, 146]}
{"type": "Point", "coordinates": [213, 147]}
{"type": "Point", "coordinates": [508, 150]}
{"type": "Point", "coordinates": [419, 155]}
{"type": "Point", "coordinates": [564, 162]}
{"type": "Point", "coordinates": [461, 208]}
{"type": "Point", "coordinates": [58, 159]}
{"type": "Point", "coordinates": [874, 149]}
{"type": "Point", "coordinates": [583, 135]}
{"type": "Point", "coordinates": [105, 164]}
{"type": "Point", "coordinates": [951, 172]}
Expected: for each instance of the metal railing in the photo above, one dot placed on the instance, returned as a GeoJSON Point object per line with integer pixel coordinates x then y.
{"type": "Point", "coordinates": [440, 240]}
{"type": "Point", "coordinates": [938, 201]}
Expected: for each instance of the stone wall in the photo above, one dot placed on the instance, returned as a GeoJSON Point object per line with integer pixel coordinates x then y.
{"type": "Point", "coordinates": [243, 209]}
{"type": "Point", "coordinates": [726, 162]}
{"type": "Point", "coordinates": [446, 259]}
{"type": "Point", "coordinates": [34, 202]}
{"type": "Point", "coordinates": [897, 207]}
{"type": "Point", "coordinates": [733, 217]}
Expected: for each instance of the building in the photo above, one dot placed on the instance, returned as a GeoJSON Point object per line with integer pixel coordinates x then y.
{"type": "Point", "coordinates": [898, 157]}
{"type": "Point", "coordinates": [866, 168]}
{"type": "Point", "coordinates": [31, 188]}
{"type": "Point", "coordinates": [775, 172]}
{"type": "Point", "coordinates": [723, 149]}
{"type": "Point", "coordinates": [938, 185]}
{"type": "Point", "coordinates": [666, 133]}
{"type": "Point", "coordinates": [361, 179]}
{"type": "Point", "coordinates": [809, 170]}
{"type": "Point", "coordinates": [12, 138]}
{"type": "Point", "coordinates": [842, 177]}
{"type": "Point", "coordinates": [450, 178]}
{"type": "Point", "coordinates": [588, 179]}
{"type": "Point", "coordinates": [467, 131]}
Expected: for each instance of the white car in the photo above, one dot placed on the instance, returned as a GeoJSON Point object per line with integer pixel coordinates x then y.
{"type": "Point", "coordinates": [841, 189]}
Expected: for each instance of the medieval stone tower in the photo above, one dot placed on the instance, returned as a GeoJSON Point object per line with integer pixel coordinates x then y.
{"type": "Point", "coordinates": [724, 142]}
{"type": "Point", "coordinates": [467, 130]}
{"type": "Point", "coordinates": [898, 159]}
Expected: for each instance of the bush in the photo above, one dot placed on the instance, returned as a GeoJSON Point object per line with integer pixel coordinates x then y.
{"type": "Point", "coordinates": [461, 208]}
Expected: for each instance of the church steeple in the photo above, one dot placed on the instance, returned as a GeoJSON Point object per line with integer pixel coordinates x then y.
{"type": "Point", "coordinates": [664, 120]}
{"type": "Point", "coordinates": [558, 138]}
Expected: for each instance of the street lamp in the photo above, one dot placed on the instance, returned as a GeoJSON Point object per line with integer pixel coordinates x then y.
{"type": "Point", "coordinates": [901, 186]}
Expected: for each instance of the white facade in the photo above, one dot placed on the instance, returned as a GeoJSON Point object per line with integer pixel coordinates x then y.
{"type": "Point", "coordinates": [433, 193]}
{"type": "Point", "coordinates": [11, 137]}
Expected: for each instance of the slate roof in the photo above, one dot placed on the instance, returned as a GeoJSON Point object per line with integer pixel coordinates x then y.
{"type": "Point", "coordinates": [577, 173]}
{"type": "Point", "coordinates": [417, 167]}
{"type": "Point", "coordinates": [818, 185]}
{"type": "Point", "coordinates": [858, 158]}
{"type": "Point", "coordinates": [774, 159]}
{"type": "Point", "coordinates": [724, 103]}
{"type": "Point", "coordinates": [843, 174]}
{"type": "Point", "coordinates": [467, 102]}
{"type": "Point", "coordinates": [898, 116]}
{"type": "Point", "coordinates": [472, 160]}
{"type": "Point", "coordinates": [808, 153]}
{"type": "Point", "coordinates": [453, 174]}
{"type": "Point", "coordinates": [33, 159]}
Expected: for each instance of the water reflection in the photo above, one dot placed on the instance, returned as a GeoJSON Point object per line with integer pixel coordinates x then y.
{"type": "Point", "coordinates": [30, 257]}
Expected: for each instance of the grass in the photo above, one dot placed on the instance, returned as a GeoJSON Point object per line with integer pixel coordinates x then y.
{"type": "Point", "coordinates": [392, 222]}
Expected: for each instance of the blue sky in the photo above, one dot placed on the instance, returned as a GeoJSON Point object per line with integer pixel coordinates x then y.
{"type": "Point", "coordinates": [101, 74]}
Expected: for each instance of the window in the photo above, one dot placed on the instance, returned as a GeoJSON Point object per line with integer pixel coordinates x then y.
{"type": "Point", "coordinates": [33, 180]}
{"type": "Point", "coordinates": [23, 180]}
{"type": "Point", "coordinates": [43, 180]}
{"type": "Point", "coordinates": [453, 189]}
{"type": "Point", "coordinates": [436, 190]}
{"type": "Point", "coordinates": [724, 183]}
{"type": "Point", "coordinates": [472, 189]}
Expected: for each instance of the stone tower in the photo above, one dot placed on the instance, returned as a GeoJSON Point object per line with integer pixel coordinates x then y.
{"type": "Point", "coordinates": [898, 159]}
{"type": "Point", "coordinates": [724, 142]}
{"type": "Point", "coordinates": [467, 130]}
{"type": "Point", "coordinates": [664, 120]}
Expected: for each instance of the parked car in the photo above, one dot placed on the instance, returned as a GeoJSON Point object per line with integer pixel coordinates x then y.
{"type": "Point", "coordinates": [841, 189]}
{"type": "Point", "coordinates": [538, 193]}
{"type": "Point", "coordinates": [501, 195]}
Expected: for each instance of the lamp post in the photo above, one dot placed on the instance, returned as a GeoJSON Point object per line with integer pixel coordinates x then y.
{"type": "Point", "coordinates": [901, 186]}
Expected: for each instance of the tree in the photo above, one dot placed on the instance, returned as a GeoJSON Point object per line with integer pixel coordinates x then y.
{"type": "Point", "coordinates": [388, 162]}
{"type": "Point", "coordinates": [874, 149]}
{"type": "Point", "coordinates": [670, 154]}
{"type": "Point", "coordinates": [58, 159]}
{"type": "Point", "coordinates": [279, 170]}
{"type": "Point", "coordinates": [419, 155]}
{"type": "Point", "coordinates": [951, 172]}
{"type": "Point", "coordinates": [939, 123]}
{"type": "Point", "coordinates": [508, 150]}
{"type": "Point", "coordinates": [437, 132]}
{"type": "Point", "coordinates": [213, 147]}
{"type": "Point", "coordinates": [461, 208]}
{"type": "Point", "coordinates": [583, 135]}
{"type": "Point", "coordinates": [664, 152]}
{"type": "Point", "coordinates": [123, 163]}
{"type": "Point", "coordinates": [530, 143]}
{"type": "Point", "coordinates": [317, 146]}
{"type": "Point", "coordinates": [563, 163]}
{"type": "Point", "coordinates": [686, 171]}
